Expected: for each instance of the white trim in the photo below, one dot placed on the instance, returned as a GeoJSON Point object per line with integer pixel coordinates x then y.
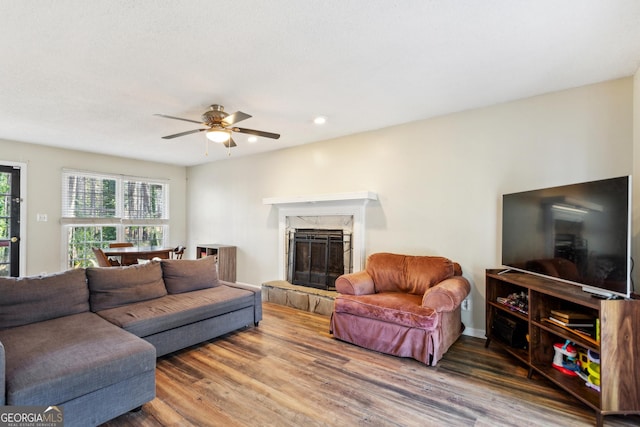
{"type": "Point", "coordinates": [315, 198]}
{"type": "Point", "coordinates": [249, 284]}
{"type": "Point", "coordinates": [473, 332]}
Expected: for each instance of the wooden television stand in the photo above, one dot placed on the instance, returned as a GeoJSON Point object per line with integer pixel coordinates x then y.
{"type": "Point", "coordinates": [618, 346]}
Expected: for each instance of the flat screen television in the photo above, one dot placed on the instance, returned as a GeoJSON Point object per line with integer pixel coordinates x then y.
{"type": "Point", "coordinates": [579, 234]}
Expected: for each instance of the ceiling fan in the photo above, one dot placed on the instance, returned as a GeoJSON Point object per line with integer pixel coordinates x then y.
{"type": "Point", "coordinates": [219, 126]}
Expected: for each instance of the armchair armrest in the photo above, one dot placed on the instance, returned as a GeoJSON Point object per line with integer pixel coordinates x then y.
{"type": "Point", "coordinates": [359, 283]}
{"type": "Point", "coordinates": [447, 295]}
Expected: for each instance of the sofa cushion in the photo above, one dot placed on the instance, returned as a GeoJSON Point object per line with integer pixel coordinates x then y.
{"type": "Point", "coordinates": [117, 286]}
{"type": "Point", "coordinates": [405, 273]}
{"type": "Point", "coordinates": [25, 300]}
{"type": "Point", "coordinates": [181, 275]}
{"type": "Point", "coordinates": [68, 357]}
{"type": "Point", "coordinates": [393, 307]}
{"type": "Point", "coordinates": [172, 311]}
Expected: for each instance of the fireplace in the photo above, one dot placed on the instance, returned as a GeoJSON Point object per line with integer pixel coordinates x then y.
{"type": "Point", "coordinates": [318, 257]}
{"type": "Point", "coordinates": [324, 214]}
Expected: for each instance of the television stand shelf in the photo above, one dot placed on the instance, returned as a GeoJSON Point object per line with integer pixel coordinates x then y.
{"type": "Point", "coordinates": [618, 347]}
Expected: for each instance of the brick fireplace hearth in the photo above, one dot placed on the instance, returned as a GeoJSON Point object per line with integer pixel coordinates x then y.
{"type": "Point", "coordinates": [300, 297]}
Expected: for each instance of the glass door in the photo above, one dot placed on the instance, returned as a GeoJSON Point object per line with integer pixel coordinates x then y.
{"type": "Point", "coordinates": [9, 221]}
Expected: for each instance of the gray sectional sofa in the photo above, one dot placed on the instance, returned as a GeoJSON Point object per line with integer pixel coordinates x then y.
{"type": "Point", "coordinates": [87, 340]}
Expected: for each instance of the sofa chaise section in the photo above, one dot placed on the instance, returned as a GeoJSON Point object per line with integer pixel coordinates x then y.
{"type": "Point", "coordinates": [57, 352]}
{"type": "Point", "coordinates": [80, 362]}
{"type": "Point", "coordinates": [87, 339]}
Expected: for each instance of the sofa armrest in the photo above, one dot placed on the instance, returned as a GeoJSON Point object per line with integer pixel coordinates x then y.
{"type": "Point", "coordinates": [447, 295]}
{"type": "Point", "coordinates": [257, 298]}
{"type": "Point", "coordinates": [359, 283]}
{"type": "Point", "coordinates": [3, 386]}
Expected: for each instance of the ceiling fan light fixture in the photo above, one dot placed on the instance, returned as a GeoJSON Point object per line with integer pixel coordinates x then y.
{"type": "Point", "coordinates": [219, 136]}
{"type": "Point", "coordinates": [320, 120]}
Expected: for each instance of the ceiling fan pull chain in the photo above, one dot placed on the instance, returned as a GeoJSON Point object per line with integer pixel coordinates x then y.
{"type": "Point", "coordinates": [206, 147]}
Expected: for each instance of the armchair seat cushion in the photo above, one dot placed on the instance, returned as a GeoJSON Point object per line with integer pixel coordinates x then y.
{"type": "Point", "coordinates": [393, 307]}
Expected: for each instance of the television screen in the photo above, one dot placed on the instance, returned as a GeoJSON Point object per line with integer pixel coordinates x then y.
{"type": "Point", "coordinates": [579, 233]}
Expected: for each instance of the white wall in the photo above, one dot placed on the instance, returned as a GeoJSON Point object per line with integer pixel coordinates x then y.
{"type": "Point", "coordinates": [44, 167]}
{"type": "Point", "coordinates": [439, 181]}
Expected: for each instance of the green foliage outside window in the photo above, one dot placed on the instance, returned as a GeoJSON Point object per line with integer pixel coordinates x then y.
{"type": "Point", "coordinates": [5, 204]}
{"type": "Point", "coordinates": [90, 197]}
{"type": "Point", "coordinates": [83, 239]}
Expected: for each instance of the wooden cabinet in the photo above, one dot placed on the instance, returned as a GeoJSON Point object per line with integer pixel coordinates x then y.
{"type": "Point", "coordinates": [226, 259]}
{"type": "Point", "coordinates": [618, 345]}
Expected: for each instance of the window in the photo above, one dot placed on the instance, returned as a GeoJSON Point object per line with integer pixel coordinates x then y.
{"type": "Point", "coordinates": [98, 209]}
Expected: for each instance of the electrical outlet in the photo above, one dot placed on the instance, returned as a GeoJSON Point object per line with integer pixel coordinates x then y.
{"type": "Point", "coordinates": [465, 305]}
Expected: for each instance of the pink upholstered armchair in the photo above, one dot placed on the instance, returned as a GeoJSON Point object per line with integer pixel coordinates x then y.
{"type": "Point", "coordinates": [407, 306]}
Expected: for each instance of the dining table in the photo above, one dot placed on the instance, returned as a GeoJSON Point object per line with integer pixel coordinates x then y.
{"type": "Point", "coordinates": [131, 255]}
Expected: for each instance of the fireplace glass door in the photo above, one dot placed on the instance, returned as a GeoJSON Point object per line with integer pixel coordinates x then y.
{"type": "Point", "coordinates": [317, 257]}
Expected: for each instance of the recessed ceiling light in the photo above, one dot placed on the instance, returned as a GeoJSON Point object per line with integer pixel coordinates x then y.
{"type": "Point", "coordinates": [252, 139]}
{"type": "Point", "coordinates": [320, 120]}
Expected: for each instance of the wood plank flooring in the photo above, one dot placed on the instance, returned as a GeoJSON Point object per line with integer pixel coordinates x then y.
{"type": "Point", "coordinates": [289, 371]}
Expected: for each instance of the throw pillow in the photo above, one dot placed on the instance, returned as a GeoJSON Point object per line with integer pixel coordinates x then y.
{"type": "Point", "coordinates": [25, 300]}
{"type": "Point", "coordinates": [184, 275]}
{"type": "Point", "coordinates": [112, 287]}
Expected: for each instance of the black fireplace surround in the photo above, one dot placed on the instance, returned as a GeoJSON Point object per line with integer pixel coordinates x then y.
{"type": "Point", "coordinates": [317, 257]}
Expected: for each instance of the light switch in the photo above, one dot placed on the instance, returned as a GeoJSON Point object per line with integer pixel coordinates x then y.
{"type": "Point", "coordinates": [41, 217]}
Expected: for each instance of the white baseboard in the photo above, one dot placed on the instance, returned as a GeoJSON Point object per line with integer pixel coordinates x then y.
{"type": "Point", "coordinates": [249, 284]}
{"type": "Point", "coordinates": [473, 332]}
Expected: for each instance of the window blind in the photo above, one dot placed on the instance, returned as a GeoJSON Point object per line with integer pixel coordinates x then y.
{"type": "Point", "coordinates": [93, 195]}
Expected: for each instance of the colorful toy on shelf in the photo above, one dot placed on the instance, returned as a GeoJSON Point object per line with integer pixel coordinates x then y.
{"type": "Point", "coordinates": [593, 369]}
{"type": "Point", "coordinates": [583, 360]}
{"type": "Point", "coordinates": [564, 358]}
{"type": "Point", "coordinates": [516, 302]}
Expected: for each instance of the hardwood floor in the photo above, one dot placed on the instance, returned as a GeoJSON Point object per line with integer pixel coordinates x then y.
{"type": "Point", "coordinates": [289, 371]}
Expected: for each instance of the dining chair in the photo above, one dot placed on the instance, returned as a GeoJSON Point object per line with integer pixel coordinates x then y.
{"type": "Point", "coordinates": [178, 252]}
{"type": "Point", "coordinates": [103, 259]}
{"type": "Point", "coordinates": [121, 245]}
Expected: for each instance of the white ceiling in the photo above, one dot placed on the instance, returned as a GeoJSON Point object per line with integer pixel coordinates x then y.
{"type": "Point", "coordinates": [89, 75]}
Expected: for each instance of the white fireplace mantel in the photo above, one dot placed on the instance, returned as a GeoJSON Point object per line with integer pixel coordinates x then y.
{"type": "Point", "coordinates": [355, 197]}
{"type": "Point", "coordinates": [349, 204]}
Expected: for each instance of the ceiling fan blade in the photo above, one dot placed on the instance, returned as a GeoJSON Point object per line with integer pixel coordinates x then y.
{"type": "Point", "coordinates": [230, 143]}
{"type": "Point", "coordinates": [235, 118]}
{"type": "Point", "coordinates": [257, 133]}
{"type": "Point", "coordinates": [178, 118]}
{"type": "Point", "coordinates": [183, 133]}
